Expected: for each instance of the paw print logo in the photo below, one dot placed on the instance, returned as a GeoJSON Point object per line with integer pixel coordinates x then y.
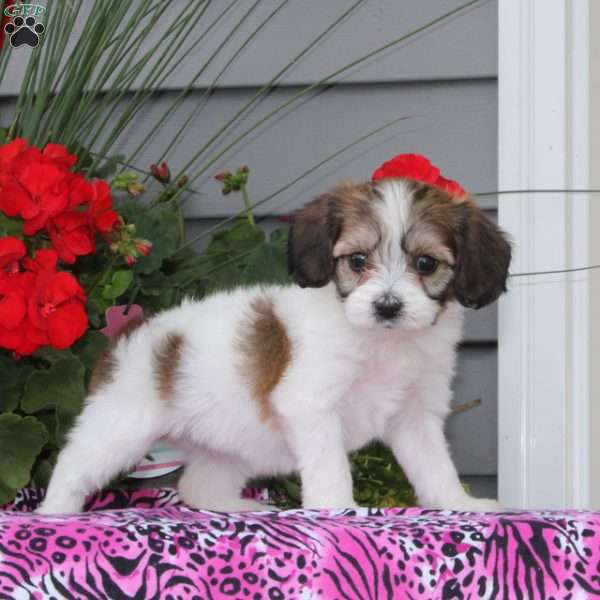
{"type": "Point", "coordinates": [24, 31]}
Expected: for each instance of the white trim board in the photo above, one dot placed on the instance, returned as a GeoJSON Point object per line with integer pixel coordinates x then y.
{"type": "Point", "coordinates": [544, 321]}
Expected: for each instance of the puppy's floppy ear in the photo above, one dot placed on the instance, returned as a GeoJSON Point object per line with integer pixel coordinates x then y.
{"type": "Point", "coordinates": [315, 229]}
{"type": "Point", "coordinates": [483, 258]}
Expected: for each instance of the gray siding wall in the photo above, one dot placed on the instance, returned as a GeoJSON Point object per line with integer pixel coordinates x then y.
{"type": "Point", "coordinates": [443, 81]}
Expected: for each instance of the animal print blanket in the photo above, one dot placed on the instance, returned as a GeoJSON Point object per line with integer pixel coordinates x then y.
{"type": "Point", "coordinates": [146, 544]}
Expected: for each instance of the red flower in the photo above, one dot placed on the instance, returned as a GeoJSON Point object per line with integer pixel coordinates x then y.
{"type": "Point", "coordinates": [10, 152]}
{"type": "Point", "coordinates": [41, 306]}
{"type": "Point", "coordinates": [23, 340]}
{"type": "Point", "coordinates": [56, 304]}
{"type": "Point", "coordinates": [12, 250]}
{"type": "Point", "coordinates": [46, 258]}
{"type": "Point", "coordinates": [14, 325]}
{"type": "Point", "coordinates": [223, 176]}
{"type": "Point", "coordinates": [12, 301]}
{"type": "Point", "coordinates": [104, 217]}
{"type": "Point", "coordinates": [419, 168]}
{"type": "Point", "coordinates": [161, 172]}
{"type": "Point", "coordinates": [80, 190]}
{"type": "Point", "coordinates": [13, 293]}
{"type": "Point", "coordinates": [12, 298]}
{"type": "Point", "coordinates": [71, 235]}
{"type": "Point", "coordinates": [144, 247]}
{"type": "Point", "coordinates": [38, 192]}
{"type": "Point", "coordinates": [58, 155]}
{"type": "Point", "coordinates": [39, 187]}
{"type": "Point", "coordinates": [452, 187]}
{"type": "Point", "coordinates": [13, 157]}
{"type": "Point", "coordinates": [410, 166]}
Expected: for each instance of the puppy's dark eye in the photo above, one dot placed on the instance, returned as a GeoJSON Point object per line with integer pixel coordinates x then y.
{"type": "Point", "coordinates": [358, 261]}
{"type": "Point", "coordinates": [426, 265]}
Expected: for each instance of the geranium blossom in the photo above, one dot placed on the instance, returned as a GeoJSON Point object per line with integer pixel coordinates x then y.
{"type": "Point", "coordinates": [12, 296]}
{"type": "Point", "coordinates": [39, 186]}
{"type": "Point", "coordinates": [419, 168]}
{"type": "Point", "coordinates": [71, 235]}
{"type": "Point", "coordinates": [56, 307]}
{"type": "Point", "coordinates": [103, 216]}
{"type": "Point", "coordinates": [40, 304]}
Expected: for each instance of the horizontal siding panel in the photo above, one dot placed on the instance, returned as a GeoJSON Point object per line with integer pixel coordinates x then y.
{"type": "Point", "coordinates": [454, 123]}
{"type": "Point", "coordinates": [482, 325]}
{"type": "Point", "coordinates": [473, 434]}
{"type": "Point", "coordinates": [462, 47]}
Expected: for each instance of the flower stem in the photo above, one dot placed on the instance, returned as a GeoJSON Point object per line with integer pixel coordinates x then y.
{"type": "Point", "coordinates": [133, 296]}
{"type": "Point", "coordinates": [180, 221]}
{"type": "Point", "coordinates": [103, 275]}
{"type": "Point", "coordinates": [248, 204]}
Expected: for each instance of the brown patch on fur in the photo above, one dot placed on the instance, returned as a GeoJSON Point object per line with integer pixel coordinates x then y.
{"type": "Point", "coordinates": [103, 372]}
{"type": "Point", "coordinates": [166, 359]}
{"type": "Point", "coordinates": [432, 220]}
{"type": "Point", "coordinates": [129, 328]}
{"type": "Point", "coordinates": [484, 255]}
{"type": "Point", "coordinates": [431, 231]}
{"type": "Point", "coordinates": [266, 350]}
{"type": "Point", "coordinates": [473, 252]}
{"type": "Point", "coordinates": [321, 223]}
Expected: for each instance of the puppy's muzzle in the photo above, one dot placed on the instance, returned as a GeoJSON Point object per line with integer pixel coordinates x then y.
{"type": "Point", "coordinates": [387, 308]}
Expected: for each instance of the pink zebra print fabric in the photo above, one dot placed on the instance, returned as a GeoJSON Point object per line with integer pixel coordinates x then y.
{"type": "Point", "coordinates": [146, 544]}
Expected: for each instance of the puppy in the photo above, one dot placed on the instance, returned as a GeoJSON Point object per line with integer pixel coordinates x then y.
{"type": "Point", "coordinates": [271, 379]}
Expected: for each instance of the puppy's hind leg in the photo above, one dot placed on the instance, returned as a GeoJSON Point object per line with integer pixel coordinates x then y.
{"type": "Point", "coordinates": [110, 436]}
{"type": "Point", "coordinates": [214, 482]}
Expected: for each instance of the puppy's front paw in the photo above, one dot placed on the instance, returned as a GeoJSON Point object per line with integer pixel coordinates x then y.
{"type": "Point", "coordinates": [60, 508]}
{"type": "Point", "coordinates": [61, 499]}
{"type": "Point", "coordinates": [469, 504]}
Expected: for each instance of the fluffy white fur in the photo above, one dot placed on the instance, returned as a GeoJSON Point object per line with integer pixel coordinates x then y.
{"type": "Point", "coordinates": [350, 380]}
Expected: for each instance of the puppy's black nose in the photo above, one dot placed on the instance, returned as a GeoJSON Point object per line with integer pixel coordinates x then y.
{"type": "Point", "coordinates": [387, 307]}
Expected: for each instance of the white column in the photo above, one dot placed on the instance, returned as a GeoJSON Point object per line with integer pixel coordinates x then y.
{"type": "Point", "coordinates": [545, 373]}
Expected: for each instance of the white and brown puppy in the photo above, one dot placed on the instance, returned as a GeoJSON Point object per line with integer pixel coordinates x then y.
{"type": "Point", "coordinates": [271, 379]}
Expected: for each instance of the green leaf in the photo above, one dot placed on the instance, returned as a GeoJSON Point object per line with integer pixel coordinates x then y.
{"type": "Point", "coordinates": [10, 226]}
{"type": "Point", "coordinates": [223, 279]}
{"type": "Point", "coordinates": [43, 468]}
{"type": "Point", "coordinates": [167, 297]}
{"type": "Point", "coordinates": [159, 225]}
{"type": "Point", "coordinates": [52, 355]}
{"type": "Point", "coordinates": [95, 309]}
{"type": "Point", "coordinates": [13, 373]}
{"type": "Point", "coordinates": [60, 386]}
{"type": "Point", "coordinates": [268, 264]}
{"type": "Point", "coordinates": [119, 283]}
{"type": "Point", "coordinates": [280, 236]}
{"type": "Point", "coordinates": [89, 348]}
{"type": "Point", "coordinates": [154, 283]}
{"type": "Point", "coordinates": [191, 270]}
{"type": "Point", "coordinates": [239, 239]}
{"type": "Point", "coordinates": [241, 256]}
{"type": "Point", "coordinates": [109, 168]}
{"type": "Point", "coordinates": [50, 422]}
{"type": "Point", "coordinates": [21, 440]}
